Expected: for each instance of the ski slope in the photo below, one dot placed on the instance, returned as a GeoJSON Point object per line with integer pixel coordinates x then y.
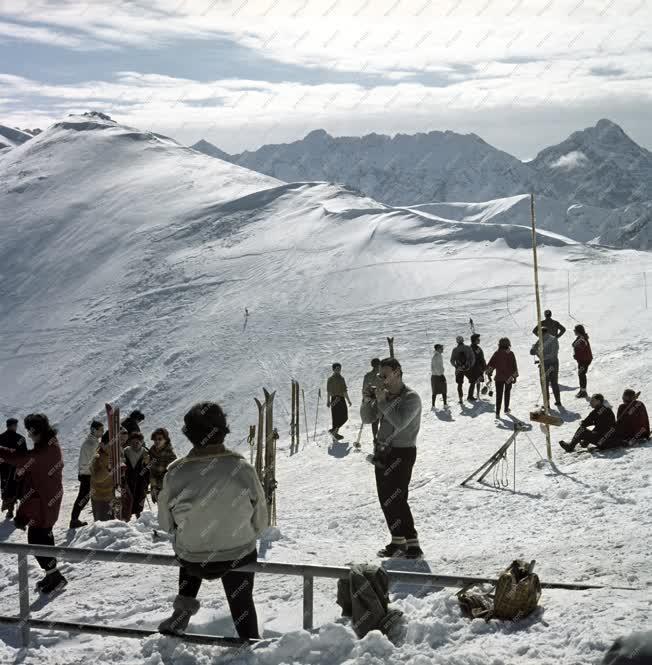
{"type": "Point", "coordinates": [128, 261]}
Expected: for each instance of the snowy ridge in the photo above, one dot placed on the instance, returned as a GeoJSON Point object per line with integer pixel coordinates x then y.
{"type": "Point", "coordinates": [127, 262]}
{"type": "Point", "coordinates": [11, 137]}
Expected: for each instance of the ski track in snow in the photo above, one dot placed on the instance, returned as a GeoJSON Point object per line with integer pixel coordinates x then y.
{"type": "Point", "coordinates": [159, 324]}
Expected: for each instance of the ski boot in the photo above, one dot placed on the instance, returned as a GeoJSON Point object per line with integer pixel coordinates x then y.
{"type": "Point", "coordinates": [582, 393]}
{"type": "Point", "coordinates": [393, 551]}
{"type": "Point", "coordinates": [53, 581]}
{"type": "Point", "coordinates": [184, 607]}
{"type": "Point", "coordinates": [568, 447]}
{"type": "Point", "coordinates": [413, 550]}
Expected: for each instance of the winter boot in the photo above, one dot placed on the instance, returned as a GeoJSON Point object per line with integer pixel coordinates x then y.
{"type": "Point", "coordinates": [395, 549]}
{"type": "Point", "coordinates": [77, 524]}
{"type": "Point", "coordinates": [54, 581]}
{"type": "Point", "coordinates": [413, 550]}
{"type": "Point", "coordinates": [184, 607]}
{"type": "Point", "coordinates": [582, 393]}
{"type": "Point", "coordinates": [568, 447]}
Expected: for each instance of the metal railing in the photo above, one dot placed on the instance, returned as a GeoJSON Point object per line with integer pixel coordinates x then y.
{"type": "Point", "coordinates": [306, 571]}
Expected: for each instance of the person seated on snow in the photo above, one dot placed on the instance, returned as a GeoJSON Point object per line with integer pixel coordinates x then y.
{"type": "Point", "coordinates": [603, 422]}
{"type": "Point", "coordinates": [553, 327]}
{"type": "Point", "coordinates": [215, 508]}
{"type": "Point", "coordinates": [136, 473]}
{"type": "Point", "coordinates": [632, 423]}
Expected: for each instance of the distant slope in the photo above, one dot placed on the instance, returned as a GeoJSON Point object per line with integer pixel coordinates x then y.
{"type": "Point", "coordinates": [212, 151]}
{"type": "Point", "coordinates": [10, 137]}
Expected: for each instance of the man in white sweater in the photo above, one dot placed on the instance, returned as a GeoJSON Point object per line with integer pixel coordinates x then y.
{"type": "Point", "coordinates": [214, 506]}
{"type": "Point", "coordinates": [86, 455]}
{"type": "Point", "coordinates": [437, 376]}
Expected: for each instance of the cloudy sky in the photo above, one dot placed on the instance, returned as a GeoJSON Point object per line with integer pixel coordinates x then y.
{"type": "Point", "coordinates": [522, 74]}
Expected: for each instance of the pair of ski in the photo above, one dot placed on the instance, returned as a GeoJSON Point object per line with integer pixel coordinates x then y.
{"type": "Point", "coordinates": [115, 459]}
{"type": "Point", "coordinates": [266, 455]}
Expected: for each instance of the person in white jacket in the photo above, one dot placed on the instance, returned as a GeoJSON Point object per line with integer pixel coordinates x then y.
{"type": "Point", "coordinates": [86, 455]}
{"type": "Point", "coordinates": [437, 376]}
{"type": "Point", "coordinates": [214, 506]}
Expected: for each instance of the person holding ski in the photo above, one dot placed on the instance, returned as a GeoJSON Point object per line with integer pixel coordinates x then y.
{"type": "Point", "coordinates": [503, 363]}
{"type": "Point", "coordinates": [10, 485]}
{"type": "Point", "coordinates": [132, 422]}
{"type": "Point", "coordinates": [86, 454]}
{"type": "Point", "coordinates": [38, 512]}
{"type": "Point", "coordinates": [632, 423]}
{"type": "Point", "coordinates": [603, 422]}
{"type": "Point", "coordinates": [437, 376]}
{"type": "Point", "coordinates": [338, 397]}
{"type": "Point", "coordinates": [476, 373]}
{"type": "Point", "coordinates": [369, 387]}
{"type": "Point", "coordinates": [136, 474]}
{"type": "Point", "coordinates": [214, 506]}
{"type": "Point", "coordinates": [550, 357]}
{"type": "Point", "coordinates": [161, 455]}
{"type": "Point", "coordinates": [553, 327]}
{"type": "Point", "coordinates": [583, 356]}
{"type": "Point", "coordinates": [462, 359]}
{"type": "Point", "coordinates": [399, 410]}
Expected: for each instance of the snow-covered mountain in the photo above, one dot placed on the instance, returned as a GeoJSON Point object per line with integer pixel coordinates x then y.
{"type": "Point", "coordinates": [11, 137]}
{"type": "Point", "coordinates": [600, 166]}
{"type": "Point", "coordinates": [126, 263]}
{"type": "Point", "coordinates": [211, 150]}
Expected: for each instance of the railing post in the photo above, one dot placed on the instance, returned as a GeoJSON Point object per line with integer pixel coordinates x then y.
{"type": "Point", "coordinates": [23, 597]}
{"type": "Point", "coordinates": [308, 581]}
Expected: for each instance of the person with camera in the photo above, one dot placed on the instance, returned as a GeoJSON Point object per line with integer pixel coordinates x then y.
{"type": "Point", "coordinates": [398, 410]}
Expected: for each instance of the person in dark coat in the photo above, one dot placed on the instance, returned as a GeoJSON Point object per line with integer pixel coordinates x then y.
{"type": "Point", "coordinates": [161, 455]}
{"type": "Point", "coordinates": [132, 422]}
{"type": "Point", "coordinates": [137, 462]}
{"type": "Point", "coordinates": [476, 373]}
{"type": "Point", "coordinates": [42, 470]}
{"type": "Point", "coordinates": [553, 327]}
{"type": "Point", "coordinates": [462, 359]}
{"type": "Point", "coordinates": [338, 397]}
{"type": "Point", "coordinates": [583, 356]}
{"type": "Point", "coordinates": [11, 486]}
{"type": "Point", "coordinates": [603, 422]}
{"type": "Point", "coordinates": [503, 363]}
{"type": "Point", "coordinates": [632, 423]}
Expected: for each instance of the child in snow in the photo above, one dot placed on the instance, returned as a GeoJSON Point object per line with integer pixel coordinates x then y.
{"type": "Point", "coordinates": [437, 376]}
{"type": "Point", "coordinates": [214, 505]}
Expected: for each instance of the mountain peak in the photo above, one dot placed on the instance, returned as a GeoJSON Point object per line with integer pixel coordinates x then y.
{"type": "Point", "coordinates": [317, 135]}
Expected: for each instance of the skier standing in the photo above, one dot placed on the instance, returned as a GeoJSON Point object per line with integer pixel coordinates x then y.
{"type": "Point", "coordinates": [550, 362]}
{"type": "Point", "coordinates": [437, 376]}
{"type": "Point", "coordinates": [10, 485]}
{"type": "Point", "coordinates": [476, 373]}
{"type": "Point", "coordinates": [338, 397]}
{"type": "Point", "coordinates": [136, 474]}
{"type": "Point", "coordinates": [369, 383]}
{"type": "Point", "coordinates": [86, 455]}
{"type": "Point", "coordinates": [399, 410]}
{"type": "Point", "coordinates": [462, 359]}
{"type": "Point", "coordinates": [215, 508]}
{"type": "Point", "coordinates": [503, 362]}
{"type": "Point", "coordinates": [553, 327]}
{"type": "Point", "coordinates": [583, 355]}
{"type": "Point", "coordinates": [38, 512]}
{"type": "Point", "coordinates": [602, 420]}
{"type": "Point", "coordinates": [161, 455]}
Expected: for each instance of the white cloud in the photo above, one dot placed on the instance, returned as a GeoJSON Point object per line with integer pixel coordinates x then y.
{"type": "Point", "coordinates": [570, 161]}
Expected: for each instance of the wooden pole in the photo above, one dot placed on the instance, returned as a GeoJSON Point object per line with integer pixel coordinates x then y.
{"type": "Point", "coordinates": [542, 369]}
{"type": "Point", "coordinates": [293, 417]}
{"type": "Point", "coordinates": [314, 436]}
{"type": "Point", "coordinates": [305, 413]}
{"type": "Point", "coordinates": [297, 415]}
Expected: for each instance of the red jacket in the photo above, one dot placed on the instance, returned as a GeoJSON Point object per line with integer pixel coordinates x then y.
{"type": "Point", "coordinates": [42, 471]}
{"type": "Point", "coordinates": [582, 351]}
{"type": "Point", "coordinates": [504, 363]}
{"type": "Point", "coordinates": [633, 422]}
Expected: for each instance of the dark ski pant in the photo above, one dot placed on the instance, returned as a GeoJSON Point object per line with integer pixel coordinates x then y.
{"type": "Point", "coordinates": [502, 387]}
{"type": "Point", "coordinates": [552, 379]}
{"type": "Point", "coordinates": [374, 428]}
{"type": "Point", "coordinates": [392, 484]}
{"type": "Point", "coordinates": [439, 387]}
{"type": "Point", "coordinates": [83, 497]}
{"type": "Point", "coordinates": [339, 411]}
{"type": "Point", "coordinates": [581, 375]}
{"type": "Point", "coordinates": [459, 379]}
{"type": "Point", "coordinates": [238, 587]}
{"type": "Point", "coordinates": [40, 536]}
{"type": "Point", "coordinates": [102, 510]}
{"type": "Point", "coordinates": [602, 441]}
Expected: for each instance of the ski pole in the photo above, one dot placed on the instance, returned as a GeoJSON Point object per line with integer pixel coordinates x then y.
{"type": "Point", "coordinates": [314, 438]}
{"type": "Point", "coordinates": [305, 415]}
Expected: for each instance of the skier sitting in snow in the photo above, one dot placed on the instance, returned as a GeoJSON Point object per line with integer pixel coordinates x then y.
{"type": "Point", "coordinates": [338, 397]}
{"type": "Point", "coordinates": [41, 469]}
{"type": "Point", "coordinates": [369, 387]}
{"type": "Point", "coordinates": [11, 486]}
{"type": "Point", "coordinates": [632, 423]}
{"type": "Point", "coordinates": [399, 410]}
{"type": "Point", "coordinates": [437, 376]}
{"type": "Point", "coordinates": [583, 355]}
{"type": "Point", "coordinates": [215, 508]}
{"type": "Point", "coordinates": [86, 454]}
{"type": "Point", "coordinates": [136, 474]}
{"type": "Point", "coordinates": [553, 327]}
{"type": "Point", "coordinates": [603, 422]}
{"type": "Point", "coordinates": [462, 359]}
{"type": "Point", "coordinates": [161, 455]}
